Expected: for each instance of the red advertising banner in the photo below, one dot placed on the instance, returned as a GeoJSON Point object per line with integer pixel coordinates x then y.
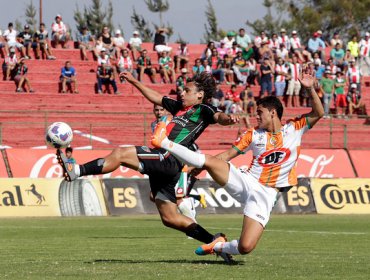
{"type": "Point", "coordinates": [43, 163]}
{"type": "Point", "coordinates": [315, 163]}
{"type": "Point", "coordinates": [359, 161]}
{"type": "Point", "coordinates": [324, 163]}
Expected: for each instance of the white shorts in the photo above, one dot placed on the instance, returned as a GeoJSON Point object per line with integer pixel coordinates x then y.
{"type": "Point", "coordinates": [15, 45]}
{"type": "Point", "coordinates": [162, 48]}
{"type": "Point", "coordinates": [60, 37]}
{"type": "Point", "coordinates": [293, 88]}
{"type": "Point", "coordinates": [258, 200]}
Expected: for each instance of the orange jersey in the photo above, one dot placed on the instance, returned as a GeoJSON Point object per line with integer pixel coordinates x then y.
{"type": "Point", "coordinates": [274, 154]}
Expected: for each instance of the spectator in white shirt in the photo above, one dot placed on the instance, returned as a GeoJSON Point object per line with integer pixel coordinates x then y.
{"type": "Point", "coordinates": [181, 58]}
{"type": "Point", "coordinates": [10, 36]}
{"type": "Point", "coordinates": [298, 49]}
{"type": "Point", "coordinates": [282, 52]}
{"type": "Point", "coordinates": [284, 39]}
{"type": "Point", "coordinates": [59, 33]}
{"type": "Point", "coordinates": [3, 45]}
{"type": "Point", "coordinates": [135, 45]}
{"type": "Point", "coordinates": [118, 44]}
{"type": "Point", "coordinates": [229, 39]}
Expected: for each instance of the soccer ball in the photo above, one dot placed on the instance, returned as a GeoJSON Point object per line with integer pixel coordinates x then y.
{"type": "Point", "coordinates": [59, 135]}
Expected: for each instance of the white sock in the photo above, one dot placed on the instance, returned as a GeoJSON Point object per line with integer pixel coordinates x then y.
{"type": "Point", "coordinates": [186, 207]}
{"type": "Point", "coordinates": [227, 247]}
{"type": "Point", "coordinates": [184, 154]}
{"type": "Point", "coordinates": [77, 170]}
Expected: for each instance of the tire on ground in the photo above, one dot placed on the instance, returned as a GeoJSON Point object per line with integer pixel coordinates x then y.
{"type": "Point", "coordinates": [78, 198]}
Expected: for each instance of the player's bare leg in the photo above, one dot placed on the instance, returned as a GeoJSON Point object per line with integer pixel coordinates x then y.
{"type": "Point", "coordinates": [120, 156]}
{"type": "Point", "coordinates": [249, 237]}
{"type": "Point", "coordinates": [171, 217]}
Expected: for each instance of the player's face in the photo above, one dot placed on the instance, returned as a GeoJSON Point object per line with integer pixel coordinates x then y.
{"type": "Point", "coordinates": [190, 95]}
{"type": "Point", "coordinates": [264, 117]}
{"type": "Point", "coordinates": [159, 112]}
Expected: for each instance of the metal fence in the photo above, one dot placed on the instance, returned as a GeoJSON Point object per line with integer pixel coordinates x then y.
{"type": "Point", "coordinates": [27, 129]}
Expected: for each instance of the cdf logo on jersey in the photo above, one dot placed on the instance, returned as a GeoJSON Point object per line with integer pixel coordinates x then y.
{"type": "Point", "coordinates": [274, 157]}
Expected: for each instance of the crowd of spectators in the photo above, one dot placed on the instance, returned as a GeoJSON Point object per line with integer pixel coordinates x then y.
{"type": "Point", "coordinates": [274, 62]}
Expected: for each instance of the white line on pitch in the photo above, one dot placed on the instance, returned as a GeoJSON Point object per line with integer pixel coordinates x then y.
{"type": "Point", "coordinates": [303, 231]}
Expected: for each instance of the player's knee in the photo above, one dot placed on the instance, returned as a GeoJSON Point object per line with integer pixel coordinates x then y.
{"type": "Point", "coordinates": [168, 221]}
{"type": "Point", "coordinates": [246, 247]}
{"type": "Point", "coordinates": [120, 153]}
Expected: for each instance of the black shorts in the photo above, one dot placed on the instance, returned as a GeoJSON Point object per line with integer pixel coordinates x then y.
{"type": "Point", "coordinates": [163, 170]}
{"type": "Point", "coordinates": [147, 71]}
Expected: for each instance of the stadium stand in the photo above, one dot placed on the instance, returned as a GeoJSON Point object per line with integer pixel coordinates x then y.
{"type": "Point", "coordinates": [125, 119]}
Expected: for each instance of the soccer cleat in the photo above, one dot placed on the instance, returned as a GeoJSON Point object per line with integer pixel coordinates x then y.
{"type": "Point", "coordinates": [68, 167]}
{"type": "Point", "coordinates": [225, 256]}
{"type": "Point", "coordinates": [207, 249]}
{"type": "Point", "coordinates": [203, 201]}
{"type": "Point", "coordinates": [159, 134]}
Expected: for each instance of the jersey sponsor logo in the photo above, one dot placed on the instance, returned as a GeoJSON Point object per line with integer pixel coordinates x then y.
{"type": "Point", "coordinates": [274, 157]}
{"type": "Point", "coordinates": [69, 166]}
{"type": "Point", "coordinates": [273, 141]}
{"type": "Point", "coordinates": [180, 120]}
{"type": "Point", "coordinates": [260, 217]}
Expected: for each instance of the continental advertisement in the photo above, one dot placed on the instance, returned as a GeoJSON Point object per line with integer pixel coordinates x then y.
{"type": "Point", "coordinates": [341, 196]}
{"type": "Point", "coordinates": [26, 197]}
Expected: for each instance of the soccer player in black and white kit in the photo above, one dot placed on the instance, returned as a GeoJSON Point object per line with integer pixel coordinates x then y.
{"type": "Point", "coordinates": [191, 115]}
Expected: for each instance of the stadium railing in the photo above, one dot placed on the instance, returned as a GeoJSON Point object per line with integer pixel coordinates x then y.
{"type": "Point", "coordinates": [104, 130]}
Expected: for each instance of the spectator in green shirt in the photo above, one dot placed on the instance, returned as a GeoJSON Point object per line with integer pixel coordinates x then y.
{"type": "Point", "coordinates": [337, 54]}
{"type": "Point", "coordinates": [340, 97]}
{"type": "Point", "coordinates": [166, 68]}
{"type": "Point", "coordinates": [327, 87]}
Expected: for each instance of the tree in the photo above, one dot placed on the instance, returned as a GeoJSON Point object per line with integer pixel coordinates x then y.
{"type": "Point", "coordinates": [158, 6]}
{"type": "Point", "coordinates": [212, 32]}
{"type": "Point", "coordinates": [31, 16]}
{"type": "Point", "coordinates": [307, 16]}
{"type": "Point", "coordinates": [141, 25]}
{"type": "Point", "coordinates": [18, 25]}
{"type": "Point", "coordinates": [94, 17]}
{"type": "Point", "coordinates": [267, 23]}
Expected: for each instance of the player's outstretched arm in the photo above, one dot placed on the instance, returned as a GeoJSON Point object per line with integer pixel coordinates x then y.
{"type": "Point", "coordinates": [317, 112]}
{"type": "Point", "coordinates": [150, 94]}
{"type": "Point", "coordinates": [227, 155]}
{"type": "Point", "coordinates": [225, 119]}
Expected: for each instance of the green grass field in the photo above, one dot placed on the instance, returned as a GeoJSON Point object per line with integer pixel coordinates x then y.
{"type": "Point", "coordinates": [140, 247]}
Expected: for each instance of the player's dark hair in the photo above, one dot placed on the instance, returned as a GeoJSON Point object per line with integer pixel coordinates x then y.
{"type": "Point", "coordinates": [205, 82]}
{"type": "Point", "coordinates": [69, 149]}
{"type": "Point", "coordinates": [272, 102]}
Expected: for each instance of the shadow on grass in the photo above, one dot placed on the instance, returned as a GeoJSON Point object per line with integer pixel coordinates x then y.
{"type": "Point", "coordinates": [131, 237]}
{"type": "Point", "coordinates": [218, 262]}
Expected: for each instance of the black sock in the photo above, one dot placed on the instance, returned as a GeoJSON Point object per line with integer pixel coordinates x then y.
{"type": "Point", "coordinates": [94, 167]}
{"type": "Point", "coordinates": [197, 232]}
